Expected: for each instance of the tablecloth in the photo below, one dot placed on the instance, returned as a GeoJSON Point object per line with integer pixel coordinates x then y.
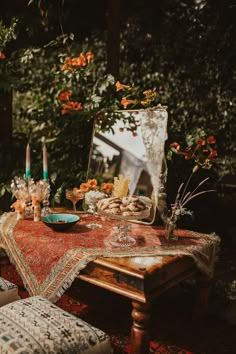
{"type": "Point", "coordinates": [49, 261]}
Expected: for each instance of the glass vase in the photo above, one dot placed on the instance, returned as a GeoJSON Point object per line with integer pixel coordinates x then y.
{"type": "Point", "coordinates": [169, 230]}
{"type": "Point", "coordinates": [37, 212]}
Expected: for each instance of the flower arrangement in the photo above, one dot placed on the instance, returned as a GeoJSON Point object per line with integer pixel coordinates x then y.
{"type": "Point", "coordinates": [200, 149]}
{"type": "Point", "coordinates": [92, 185]}
{"type": "Point", "coordinates": [87, 90]}
{"type": "Point", "coordinates": [20, 191]}
{"type": "Point", "coordinates": [29, 195]}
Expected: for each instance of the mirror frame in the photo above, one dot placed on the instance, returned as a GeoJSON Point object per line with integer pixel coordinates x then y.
{"type": "Point", "coordinates": [155, 116]}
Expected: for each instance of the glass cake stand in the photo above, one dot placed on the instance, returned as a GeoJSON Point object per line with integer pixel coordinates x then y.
{"type": "Point", "coordinates": [122, 237]}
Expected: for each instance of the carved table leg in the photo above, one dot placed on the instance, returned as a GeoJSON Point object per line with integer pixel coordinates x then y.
{"type": "Point", "coordinates": [203, 285]}
{"type": "Point", "coordinates": [140, 340]}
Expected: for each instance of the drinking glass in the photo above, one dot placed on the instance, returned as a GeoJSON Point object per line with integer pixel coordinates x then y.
{"type": "Point", "coordinates": [91, 199]}
{"type": "Point", "coordinates": [74, 195]}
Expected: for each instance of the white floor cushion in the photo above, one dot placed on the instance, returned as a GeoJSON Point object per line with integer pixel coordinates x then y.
{"type": "Point", "coordinates": [8, 292]}
{"type": "Point", "coordinates": [36, 326]}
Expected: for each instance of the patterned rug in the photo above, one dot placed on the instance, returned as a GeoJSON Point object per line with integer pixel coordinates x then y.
{"type": "Point", "coordinates": [172, 331]}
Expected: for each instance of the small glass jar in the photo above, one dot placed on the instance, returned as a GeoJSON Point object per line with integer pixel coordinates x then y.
{"type": "Point", "coordinates": [37, 212]}
{"type": "Point", "coordinates": [169, 230]}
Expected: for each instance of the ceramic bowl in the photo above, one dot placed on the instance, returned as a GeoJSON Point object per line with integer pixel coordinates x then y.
{"type": "Point", "coordinates": [60, 222]}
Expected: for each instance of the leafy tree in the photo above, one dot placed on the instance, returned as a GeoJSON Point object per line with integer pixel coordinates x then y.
{"type": "Point", "coordinates": [181, 49]}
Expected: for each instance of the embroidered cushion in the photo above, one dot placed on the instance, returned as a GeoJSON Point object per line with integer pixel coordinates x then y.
{"type": "Point", "coordinates": [36, 326]}
{"type": "Point", "coordinates": [8, 292]}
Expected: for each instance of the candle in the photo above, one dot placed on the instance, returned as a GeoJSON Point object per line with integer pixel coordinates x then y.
{"type": "Point", "coordinates": [27, 163]}
{"type": "Point", "coordinates": [45, 163]}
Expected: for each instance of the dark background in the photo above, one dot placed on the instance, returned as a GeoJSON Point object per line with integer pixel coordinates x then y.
{"type": "Point", "coordinates": [187, 46]}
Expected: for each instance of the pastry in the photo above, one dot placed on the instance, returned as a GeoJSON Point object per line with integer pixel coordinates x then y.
{"type": "Point", "coordinates": [126, 206]}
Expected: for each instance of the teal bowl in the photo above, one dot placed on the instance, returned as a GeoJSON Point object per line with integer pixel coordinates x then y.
{"type": "Point", "coordinates": [60, 222]}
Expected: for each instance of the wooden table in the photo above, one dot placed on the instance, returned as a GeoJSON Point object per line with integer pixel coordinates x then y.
{"type": "Point", "coordinates": [142, 279]}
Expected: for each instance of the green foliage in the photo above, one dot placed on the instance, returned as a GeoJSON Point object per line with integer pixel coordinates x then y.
{"type": "Point", "coordinates": [175, 54]}
{"type": "Point", "coordinates": [7, 33]}
{"type": "Point", "coordinates": [180, 59]}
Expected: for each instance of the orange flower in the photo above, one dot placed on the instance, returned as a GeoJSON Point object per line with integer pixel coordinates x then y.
{"type": "Point", "coordinates": [64, 96]}
{"type": "Point", "coordinates": [120, 86]}
{"type": "Point", "coordinates": [107, 187]}
{"type": "Point", "coordinates": [66, 68]}
{"type": "Point", "coordinates": [68, 105]}
{"type": "Point", "coordinates": [89, 56]}
{"type": "Point", "coordinates": [67, 61]}
{"type": "Point", "coordinates": [84, 187]}
{"type": "Point", "coordinates": [18, 206]}
{"type": "Point", "coordinates": [126, 102]}
{"type": "Point", "coordinates": [150, 94]}
{"type": "Point", "coordinates": [79, 61]}
{"type": "Point", "coordinates": [211, 139]}
{"type": "Point", "coordinates": [67, 64]}
{"type": "Point", "coordinates": [77, 106]}
{"type": "Point", "coordinates": [213, 153]}
{"type": "Point", "coordinates": [175, 145]}
{"type": "Point", "coordinates": [92, 183]}
{"type": "Point", "coordinates": [71, 106]}
{"type": "Point", "coordinates": [2, 55]}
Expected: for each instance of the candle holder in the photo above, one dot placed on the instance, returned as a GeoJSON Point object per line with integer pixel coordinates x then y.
{"type": "Point", "coordinates": [45, 209]}
{"type": "Point", "coordinates": [28, 207]}
{"type": "Point", "coordinates": [29, 197]}
{"type": "Point", "coordinates": [45, 202]}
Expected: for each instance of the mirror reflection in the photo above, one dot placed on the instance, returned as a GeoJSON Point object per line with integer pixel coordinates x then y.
{"type": "Point", "coordinates": [122, 152]}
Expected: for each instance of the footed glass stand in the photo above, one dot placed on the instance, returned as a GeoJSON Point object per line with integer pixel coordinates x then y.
{"type": "Point", "coordinates": [122, 237]}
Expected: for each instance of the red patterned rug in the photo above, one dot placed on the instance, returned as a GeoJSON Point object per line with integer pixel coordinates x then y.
{"type": "Point", "coordinates": [172, 332]}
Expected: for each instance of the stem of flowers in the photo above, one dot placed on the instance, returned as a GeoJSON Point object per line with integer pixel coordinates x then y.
{"type": "Point", "coordinates": [177, 202]}
{"type": "Point", "coordinates": [203, 156]}
{"type": "Point", "coordinates": [197, 194]}
{"type": "Point", "coordinates": [185, 188]}
{"type": "Point", "coordinates": [182, 199]}
{"type": "Point", "coordinates": [191, 193]}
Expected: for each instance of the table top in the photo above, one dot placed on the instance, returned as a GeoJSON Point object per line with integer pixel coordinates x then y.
{"type": "Point", "coordinates": [49, 262]}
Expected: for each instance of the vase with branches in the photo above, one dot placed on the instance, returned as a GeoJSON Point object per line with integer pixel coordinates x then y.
{"type": "Point", "coordinates": [200, 149]}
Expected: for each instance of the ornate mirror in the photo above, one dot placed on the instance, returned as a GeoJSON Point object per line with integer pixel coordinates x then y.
{"type": "Point", "coordinates": [139, 156]}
